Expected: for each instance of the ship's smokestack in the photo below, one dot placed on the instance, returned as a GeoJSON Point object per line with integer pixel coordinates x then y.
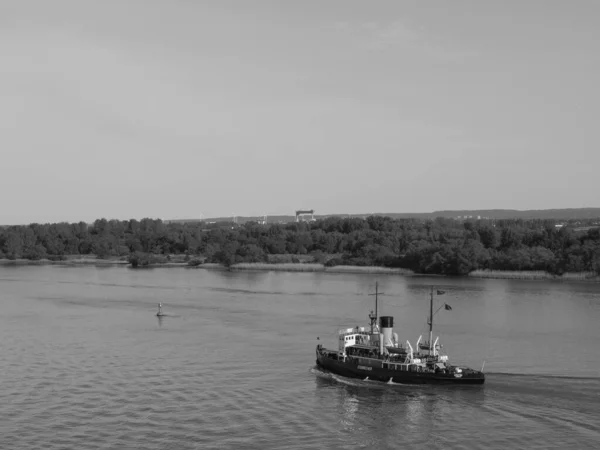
{"type": "Point", "coordinates": [387, 330]}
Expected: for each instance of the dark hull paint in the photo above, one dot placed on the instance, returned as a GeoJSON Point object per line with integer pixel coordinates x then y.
{"type": "Point", "coordinates": [350, 370]}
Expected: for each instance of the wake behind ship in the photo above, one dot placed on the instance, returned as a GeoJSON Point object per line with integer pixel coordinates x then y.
{"type": "Point", "coordinates": [377, 354]}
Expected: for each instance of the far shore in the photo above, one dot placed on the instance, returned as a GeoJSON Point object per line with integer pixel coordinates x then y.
{"type": "Point", "coordinates": [67, 262]}
{"type": "Point", "coordinates": [533, 275]}
{"type": "Point", "coordinates": [91, 260]}
{"type": "Point", "coordinates": [314, 267]}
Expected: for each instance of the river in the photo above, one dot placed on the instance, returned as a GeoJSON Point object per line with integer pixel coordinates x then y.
{"type": "Point", "coordinates": [86, 364]}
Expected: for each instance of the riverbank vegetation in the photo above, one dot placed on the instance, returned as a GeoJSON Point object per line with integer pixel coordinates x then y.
{"type": "Point", "coordinates": [440, 246]}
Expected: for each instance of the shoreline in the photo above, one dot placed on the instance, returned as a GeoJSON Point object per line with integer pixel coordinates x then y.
{"type": "Point", "coordinates": [305, 267]}
{"type": "Point", "coordinates": [315, 267]}
{"type": "Point", "coordinates": [68, 262]}
{"type": "Point", "coordinates": [533, 275]}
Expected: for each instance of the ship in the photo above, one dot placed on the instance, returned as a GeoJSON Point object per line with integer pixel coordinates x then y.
{"type": "Point", "coordinates": [376, 354]}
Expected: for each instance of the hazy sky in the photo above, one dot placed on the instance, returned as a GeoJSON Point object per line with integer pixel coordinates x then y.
{"type": "Point", "coordinates": [173, 108]}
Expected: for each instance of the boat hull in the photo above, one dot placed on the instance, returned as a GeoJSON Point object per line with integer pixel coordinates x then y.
{"type": "Point", "coordinates": [351, 369]}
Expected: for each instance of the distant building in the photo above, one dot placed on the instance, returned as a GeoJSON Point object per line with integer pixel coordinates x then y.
{"type": "Point", "coordinates": [301, 215]}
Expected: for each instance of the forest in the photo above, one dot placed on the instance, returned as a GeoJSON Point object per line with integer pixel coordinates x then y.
{"type": "Point", "coordinates": [438, 246]}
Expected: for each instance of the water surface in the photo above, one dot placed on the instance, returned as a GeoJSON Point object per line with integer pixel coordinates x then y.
{"type": "Point", "coordinates": [86, 364]}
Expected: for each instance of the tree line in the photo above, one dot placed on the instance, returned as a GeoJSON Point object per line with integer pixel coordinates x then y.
{"type": "Point", "coordinates": [439, 246]}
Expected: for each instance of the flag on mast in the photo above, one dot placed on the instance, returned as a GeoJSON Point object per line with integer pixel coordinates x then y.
{"type": "Point", "coordinates": [440, 292]}
{"type": "Point", "coordinates": [447, 307]}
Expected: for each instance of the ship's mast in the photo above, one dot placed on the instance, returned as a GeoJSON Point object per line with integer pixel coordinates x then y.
{"type": "Point", "coordinates": [431, 321]}
{"type": "Point", "coordinates": [373, 319]}
{"type": "Point", "coordinates": [377, 301]}
{"type": "Point", "coordinates": [376, 316]}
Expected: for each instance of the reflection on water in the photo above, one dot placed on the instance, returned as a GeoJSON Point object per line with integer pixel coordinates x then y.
{"type": "Point", "coordinates": [506, 409]}
{"type": "Point", "coordinates": [349, 407]}
{"type": "Point", "coordinates": [389, 411]}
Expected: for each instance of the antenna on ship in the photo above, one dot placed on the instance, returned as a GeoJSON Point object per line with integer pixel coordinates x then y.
{"type": "Point", "coordinates": [431, 321]}
{"type": "Point", "coordinates": [374, 317]}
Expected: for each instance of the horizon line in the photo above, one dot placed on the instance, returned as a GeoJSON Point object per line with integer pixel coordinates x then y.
{"type": "Point", "coordinates": [205, 219]}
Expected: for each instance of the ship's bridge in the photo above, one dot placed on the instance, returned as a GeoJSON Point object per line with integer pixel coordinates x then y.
{"type": "Point", "coordinates": [353, 336]}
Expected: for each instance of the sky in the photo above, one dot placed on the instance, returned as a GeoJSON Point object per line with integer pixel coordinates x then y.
{"type": "Point", "coordinates": [179, 109]}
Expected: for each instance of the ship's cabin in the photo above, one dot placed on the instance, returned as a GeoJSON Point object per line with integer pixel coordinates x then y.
{"type": "Point", "coordinates": [354, 336]}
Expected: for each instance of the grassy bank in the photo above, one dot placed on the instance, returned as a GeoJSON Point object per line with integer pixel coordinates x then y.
{"type": "Point", "coordinates": [533, 275]}
{"type": "Point", "coordinates": [304, 265]}
{"type": "Point", "coordinates": [283, 267]}
{"type": "Point", "coordinates": [314, 267]}
{"type": "Point", "coordinates": [80, 260]}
